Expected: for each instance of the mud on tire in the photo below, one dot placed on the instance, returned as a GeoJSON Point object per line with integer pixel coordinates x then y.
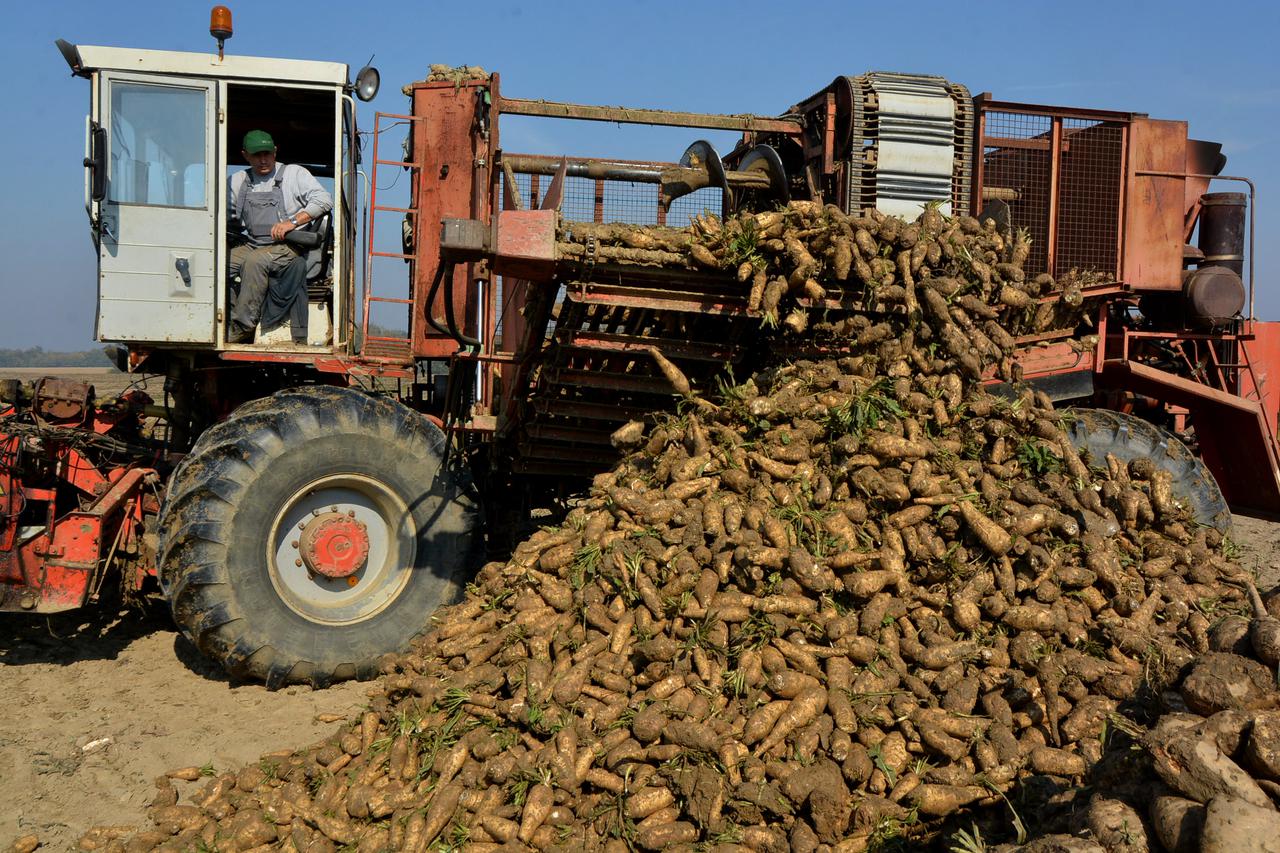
{"type": "Point", "coordinates": [1101, 431]}
{"type": "Point", "coordinates": [232, 545]}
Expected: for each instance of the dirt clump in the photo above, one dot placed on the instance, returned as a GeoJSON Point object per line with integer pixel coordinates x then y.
{"type": "Point", "coordinates": [1206, 774]}
{"type": "Point", "coordinates": [457, 75]}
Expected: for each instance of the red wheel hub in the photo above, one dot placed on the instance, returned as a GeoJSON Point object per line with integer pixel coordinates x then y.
{"type": "Point", "coordinates": [334, 545]}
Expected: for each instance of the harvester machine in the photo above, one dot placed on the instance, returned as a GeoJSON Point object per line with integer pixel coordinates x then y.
{"type": "Point", "coordinates": [1157, 326]}
{"type": "Point", "coordinates": [305, 500]}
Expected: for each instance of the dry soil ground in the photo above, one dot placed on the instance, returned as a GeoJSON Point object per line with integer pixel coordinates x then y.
{"type": "Point", "coordinates": [99, 703]}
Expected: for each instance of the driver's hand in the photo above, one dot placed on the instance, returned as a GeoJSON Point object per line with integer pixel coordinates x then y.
{"type": "Point", "coordinates": [280, 229]}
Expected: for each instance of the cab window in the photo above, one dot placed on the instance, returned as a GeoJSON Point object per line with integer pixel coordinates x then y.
{"type": "Point", "coordinates": [157, 146]}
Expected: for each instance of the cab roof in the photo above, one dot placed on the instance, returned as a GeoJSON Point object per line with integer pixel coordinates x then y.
{"type": "Point", "coordinates": [95, 58]}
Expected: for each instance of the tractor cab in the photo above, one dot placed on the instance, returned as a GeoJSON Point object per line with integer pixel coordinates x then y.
{"type": "Point", "coordinates": [163, 138]}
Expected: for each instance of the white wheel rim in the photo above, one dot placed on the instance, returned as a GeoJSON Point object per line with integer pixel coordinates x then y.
{"type": "Point", "coordinates": [371, 588]}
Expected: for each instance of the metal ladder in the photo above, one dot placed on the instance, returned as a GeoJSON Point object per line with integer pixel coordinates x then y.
{"type": "Point", "coordinates": [385, 347]}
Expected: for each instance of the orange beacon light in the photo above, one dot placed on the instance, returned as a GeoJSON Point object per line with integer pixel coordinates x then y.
{"type": "Point", "coordinates": [220, 25]}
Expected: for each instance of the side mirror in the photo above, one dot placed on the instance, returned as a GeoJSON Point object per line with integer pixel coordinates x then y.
{"type": "Point", "coordinates": [96, 162]}
{"type": "Point", "coordinates": [367, 82]}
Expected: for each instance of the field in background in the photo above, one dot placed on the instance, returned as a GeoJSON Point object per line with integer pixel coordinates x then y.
{"type": "Point", "coordinates": [106, 381]}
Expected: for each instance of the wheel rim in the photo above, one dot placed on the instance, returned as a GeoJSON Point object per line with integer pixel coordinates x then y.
{"type": "Point", "coordinates": [338, 591]}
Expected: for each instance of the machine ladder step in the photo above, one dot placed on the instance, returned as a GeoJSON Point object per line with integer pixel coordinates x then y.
{"type": "Point", "coordinates": [383, 347]}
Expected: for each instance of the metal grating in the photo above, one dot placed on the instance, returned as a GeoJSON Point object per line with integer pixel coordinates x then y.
{"type": "Point", "coordinates": [524, 184]}
{"type": "Point", "coordinates": [596, 371]}
{"type": "Point", "coordinates": [1089, 196]}
{"type": "Point", "coordinates": [578, 201]}
{"type": "Point", "coordinates": [629, 201]}
{"type": "Point", "coordinates": [1015, 152]}
{"type": "Point", "coordinates": [962, 184]}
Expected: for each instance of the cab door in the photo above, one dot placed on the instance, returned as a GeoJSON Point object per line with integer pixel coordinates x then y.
{"type": "Point", "coordinates": [157, 224]}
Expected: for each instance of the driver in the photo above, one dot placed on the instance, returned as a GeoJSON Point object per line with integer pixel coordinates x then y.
{"type": "Point", "coordinates": [269, 200]}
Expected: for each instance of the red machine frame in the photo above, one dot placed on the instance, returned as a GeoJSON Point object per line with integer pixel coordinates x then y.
{"type": "Point", "coordinates": [61, 565]}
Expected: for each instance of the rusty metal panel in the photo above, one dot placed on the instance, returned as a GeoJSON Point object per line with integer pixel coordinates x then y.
{"type": "Point", "coordinates": [1262, 381]}
{"type": "Point", "coordinates": [1203, 158]}
{"type": "Point", "coordinates": [1053, 359]}
{"type": "Point", "coordinates": [526, 246]}
{"type": "Point", "coordinates": [443, 190]}
{"type": "Point", "coordinates": [1155, 205]}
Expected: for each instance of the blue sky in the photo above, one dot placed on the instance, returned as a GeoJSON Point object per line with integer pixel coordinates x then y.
{"type": "Point", "coordinates": [1214, 65]}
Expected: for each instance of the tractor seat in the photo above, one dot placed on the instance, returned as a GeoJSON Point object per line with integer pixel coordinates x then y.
{"type": "Point", "coordinates": [317, 240]}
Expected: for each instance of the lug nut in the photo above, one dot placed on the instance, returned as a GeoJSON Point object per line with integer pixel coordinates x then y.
{"type": "Point", "coordinates": [294, 543]}
{"type": "Point", "coordinates": [298, 563]}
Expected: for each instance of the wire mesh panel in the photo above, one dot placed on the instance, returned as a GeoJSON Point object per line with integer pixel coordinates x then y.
{"type": "Point", "coordinates": [629, 201]}
{"type": "Point", "coordinates": [1016, 161]}
{"type": "Point", "coordinates": [685, 208]}
{"type": "Point", "coordinates": [632, 202]}
{"type": "Point", "coordinates": [524, 189]}
{"type": "Point", "coordinates": [1089, 196]}
{"type": "Point", "coordinates": [578, 201]}
{"type": "Point", "coordinates": [591, 200]}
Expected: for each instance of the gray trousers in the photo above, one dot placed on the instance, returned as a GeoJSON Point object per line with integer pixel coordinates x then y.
{"type": "Point", "coordinates": [256, 264]}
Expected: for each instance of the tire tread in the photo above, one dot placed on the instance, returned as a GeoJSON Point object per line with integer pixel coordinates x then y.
{"type": "Point", "coordinates": [1102, 431]}
{"type": "Point", "coordinates": [202, 499]}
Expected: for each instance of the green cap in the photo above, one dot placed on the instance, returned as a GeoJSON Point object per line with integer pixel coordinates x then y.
{"type": "Point", "coordinates": [256, 141]}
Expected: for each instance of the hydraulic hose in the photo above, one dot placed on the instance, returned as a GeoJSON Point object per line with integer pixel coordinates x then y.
{"type": "Point", "coordinates": [450, 327]}
{"type": "Point", "coordinates": [431, 297]}
{"type": "Point", "coordinates": [461, 337]}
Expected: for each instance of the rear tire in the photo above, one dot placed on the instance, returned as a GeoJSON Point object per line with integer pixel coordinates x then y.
{"type": "Point", "coordinates": [1102, 431]}
{"type": "Point", "coordinates": [256, 486]}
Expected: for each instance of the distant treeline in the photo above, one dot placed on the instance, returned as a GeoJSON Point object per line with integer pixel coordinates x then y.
{"type": "Point", "coordinates": [40, 357]}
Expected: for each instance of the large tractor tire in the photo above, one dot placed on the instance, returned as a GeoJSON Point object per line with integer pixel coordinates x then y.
{"type": "Point", "coordinates": [1101, 431]}
{"type": "Point", "coordinates": [312, 532]}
